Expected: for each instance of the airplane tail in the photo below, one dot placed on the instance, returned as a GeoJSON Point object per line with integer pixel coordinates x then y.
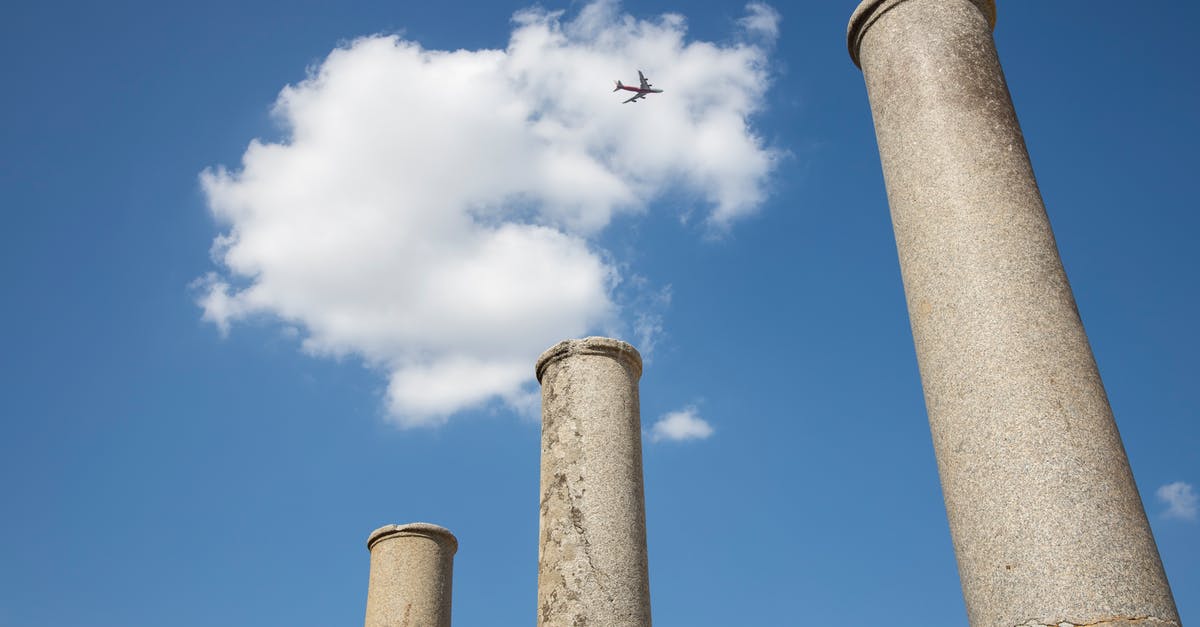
{"type": "Point", "coordinates": [618, 87]}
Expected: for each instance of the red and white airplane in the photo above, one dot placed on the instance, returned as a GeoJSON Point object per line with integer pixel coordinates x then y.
{"type": "Point", "coordinates": [641, 91]}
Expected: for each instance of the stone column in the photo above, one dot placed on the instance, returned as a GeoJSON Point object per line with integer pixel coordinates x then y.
{"type": "Point", "coordinates": [592, 566]}
{"type": "Point", "coordinates": [412, 567]}
{"type": "Point", "coordinates": [1046, 521]}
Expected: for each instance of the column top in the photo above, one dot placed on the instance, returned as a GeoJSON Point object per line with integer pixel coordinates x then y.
{"type": "Point", "coordinates": [618, 350]}
{"type": "Point", "coordinates": [435, 532]}
{"type": "Point", "coordinates": [870, 10]}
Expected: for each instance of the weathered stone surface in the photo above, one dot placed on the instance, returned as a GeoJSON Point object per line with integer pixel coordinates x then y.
{"type": "Point", "coordinates": [592, 567]}
{"type": "Point", "coordinates": [1047, 523]}
{"type": "Point", "coordinates": [412, 569]}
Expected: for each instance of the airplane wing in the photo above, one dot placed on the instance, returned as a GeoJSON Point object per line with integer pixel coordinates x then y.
{"type": "Point", "coordinates": [635, 97]}
{"type": "Point", "coordinates": [645, 83]}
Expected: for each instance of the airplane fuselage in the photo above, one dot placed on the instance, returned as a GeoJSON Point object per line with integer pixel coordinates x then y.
{"type": "Point", "coordinates": [639, 89]}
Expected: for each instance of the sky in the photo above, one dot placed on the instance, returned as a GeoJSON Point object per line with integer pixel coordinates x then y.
{"type": "Point", "coordinates": [277, 275]}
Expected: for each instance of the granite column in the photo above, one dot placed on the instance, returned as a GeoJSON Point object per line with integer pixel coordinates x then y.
{"type": "Point", "coordinates": [1046, 520]}
{"type": "Point", "coordinates": [412, 568]}
{"type": "Point", "coordinates": [592, 566]}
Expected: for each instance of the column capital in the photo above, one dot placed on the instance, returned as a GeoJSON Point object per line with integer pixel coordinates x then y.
{"type": "Point", "coordinates": [869, 11]}
{"type": "Point", "coordinates": [435, 532]}
{"type": "Point", "coordinates": [621, 351]}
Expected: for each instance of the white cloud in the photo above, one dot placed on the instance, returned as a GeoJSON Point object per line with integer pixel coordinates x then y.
{"type": "Point", "coordinates": [761, 19]}
{"type": "Point", "coordinates": [648, 326]}
{"type": "Point", "coordinates": [677, 426]}
{"type": "Point", "coordinates": [432, 212]}
{"type": "Point", "coordinates": [1181, 500]}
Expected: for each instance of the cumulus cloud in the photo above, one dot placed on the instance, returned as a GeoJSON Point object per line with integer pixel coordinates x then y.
{"type": "Point", "coordinates": [678, 426]}
{"type": "Point", "coordinates": [434, 213]}
{"type": "Point", "coordinates": [1181, 500]}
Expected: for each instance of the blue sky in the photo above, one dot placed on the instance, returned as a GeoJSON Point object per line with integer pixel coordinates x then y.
{"type": "Point", "coordinates": [166, 461]}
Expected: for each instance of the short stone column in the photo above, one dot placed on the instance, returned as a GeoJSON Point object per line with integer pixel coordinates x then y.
{"type": "Point", "coordinates": [412, 568]}
{"type": "Point", "coordinates": [1047, 524]}
{"type": "Point", "coordinates": [592, 567]}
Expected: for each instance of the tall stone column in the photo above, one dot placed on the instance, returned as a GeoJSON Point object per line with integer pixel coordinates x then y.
{"type": "Point", "coordinates": [1047, 523]}
{"type": "Point", "coordinates": [412, 568]}
{"type": "Point", "coordinates": [592, 566]}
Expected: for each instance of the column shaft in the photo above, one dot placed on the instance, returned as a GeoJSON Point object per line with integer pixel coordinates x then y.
{"type": "Point", "coordinates": [592, 566]}
{"type": "Point", "coordinates": [1047, 524]}
{"type": "Point", "coordinates": [412, 569]}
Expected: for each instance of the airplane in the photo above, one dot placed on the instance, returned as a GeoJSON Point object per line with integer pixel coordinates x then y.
{"type": "Point", "coordinates": [641, 91]}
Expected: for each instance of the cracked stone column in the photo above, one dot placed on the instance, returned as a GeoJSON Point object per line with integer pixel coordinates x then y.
{"type": "Point", "coordinates": [592, 567]}
{"type": "Point", "coordinates": [1047, 524]}
{"type": "Point", "coordinates": [412, 568]}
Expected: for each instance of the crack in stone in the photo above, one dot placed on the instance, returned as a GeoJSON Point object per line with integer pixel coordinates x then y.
{"type": "Point", "coordinates": [577, 522]}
